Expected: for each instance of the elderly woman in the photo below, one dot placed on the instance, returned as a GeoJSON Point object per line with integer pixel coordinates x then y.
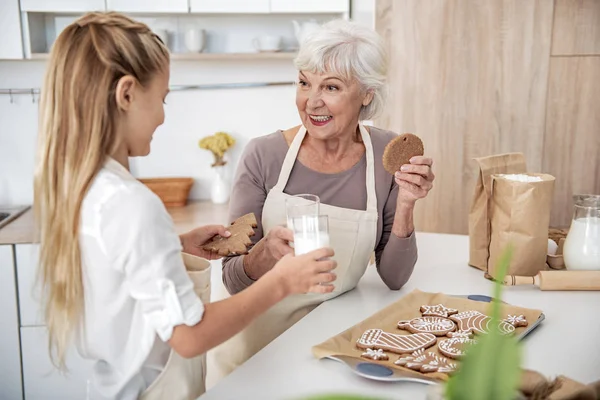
{"type": "Point", "coordinates": [341, 81]}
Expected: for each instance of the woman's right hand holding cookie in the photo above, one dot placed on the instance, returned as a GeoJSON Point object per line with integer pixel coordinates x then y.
{"type": "Point", "coordinates": [310, 272]}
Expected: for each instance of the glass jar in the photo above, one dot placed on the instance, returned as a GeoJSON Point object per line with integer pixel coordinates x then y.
{"type": "Point", "coordinates": [581, 250]}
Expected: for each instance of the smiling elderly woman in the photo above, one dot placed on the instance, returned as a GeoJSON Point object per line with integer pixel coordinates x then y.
{"type": "Point", "coordinates": [341, 81]}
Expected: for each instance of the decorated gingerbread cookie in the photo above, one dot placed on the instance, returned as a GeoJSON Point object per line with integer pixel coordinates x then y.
{"type": "Point", "coordinates": [461, 334]}
{"type": "Point", "coordinates": [454, 347]}
{"type": "Point", "coordinates": [437, 326]}
{"type": "Point", "coordinates": [399, 344]}
{"type": "Point", "coordinates": [426, 362]}
{"type": "Point", "coordinates": [375, 355]}
{"type": "Point", "coordinates": [516, 320]}
{"type": "Point", "coordinates": [438, 310]}
{"type": "Point", "coordinates": [476, 322]}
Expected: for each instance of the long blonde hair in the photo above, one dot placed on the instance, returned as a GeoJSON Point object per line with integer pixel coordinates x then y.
{"type": "Point", "coordinates": [78, 116]}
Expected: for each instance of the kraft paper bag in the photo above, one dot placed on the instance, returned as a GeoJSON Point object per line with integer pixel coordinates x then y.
{"type": "Point", "coordinates": [520, 216]}
{"type": "Point", "coordinates": [479, 221]}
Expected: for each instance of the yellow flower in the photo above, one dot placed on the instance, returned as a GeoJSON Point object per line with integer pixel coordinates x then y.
{"type": "Point", "coordinates": [218, 144]}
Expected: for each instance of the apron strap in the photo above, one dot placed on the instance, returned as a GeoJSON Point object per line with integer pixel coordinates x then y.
{"type": "Point", "coordinates": [290, 159]}
{"type": "Point", "coordinates": [292, 154]}
{"type": "Point", "coordinates": [371, 192]}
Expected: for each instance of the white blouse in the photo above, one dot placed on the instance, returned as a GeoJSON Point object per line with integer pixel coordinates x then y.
{"type": "Point", "coordinates": [136, 287]}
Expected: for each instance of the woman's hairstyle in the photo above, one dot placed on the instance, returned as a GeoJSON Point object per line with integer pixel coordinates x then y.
{"type": "Point", "coordinates": [77, 131]}
{"type": "Point", "coordinates": [352, 51]}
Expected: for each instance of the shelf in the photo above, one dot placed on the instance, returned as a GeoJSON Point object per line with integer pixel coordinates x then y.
{"type": "Point", "coordinates": [283, 55]}
{"type": "Point", "coordinates": [233, 56]}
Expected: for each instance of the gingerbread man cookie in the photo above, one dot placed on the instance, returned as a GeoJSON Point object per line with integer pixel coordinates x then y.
{"type": "Point", "coordinates": [399, 344]}
{"type": "Point", "coordinates": [426, 362]}
{"type": "Point", "coordinates": [437, 326]}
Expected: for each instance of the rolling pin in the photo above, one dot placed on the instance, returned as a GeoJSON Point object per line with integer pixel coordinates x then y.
{"type": "Point", "coordinates": [558, 280]}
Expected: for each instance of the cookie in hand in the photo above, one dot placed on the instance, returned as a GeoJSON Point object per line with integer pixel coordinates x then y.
{"type": "Point", "coordinates": [400, 150]}
{"type": "Point", "coordinates": [242, 229]}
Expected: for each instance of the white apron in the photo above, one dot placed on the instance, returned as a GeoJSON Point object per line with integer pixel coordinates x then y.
{"type": "Point", "coordinates": [182, 378]}
{"type": "Point", "coordinates": [352, 235]}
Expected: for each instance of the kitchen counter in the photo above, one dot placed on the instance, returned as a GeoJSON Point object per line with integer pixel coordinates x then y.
{"type": "Point", "coordinates": [565, 343]}
{"type": "Point", "coordinates": [193, 215]}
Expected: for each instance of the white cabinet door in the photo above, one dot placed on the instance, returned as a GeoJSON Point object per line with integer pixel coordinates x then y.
{"type": "Point", "coordinates": [10, 359]}
{"type": "Point", "coordinates": [11, 46]}
{"type": "Point", "coordinates": [42, 381]}
{"type": "Point", "coordinates": [310, 6]}
{"type": "Point", "coordinates": [62, 5]}
{"type": "Point", "coordinates": [229, 6]}
{"type": "Point", "coordinates": [31, 310]}
{"type": "Point", "coordinates": [147, 6]}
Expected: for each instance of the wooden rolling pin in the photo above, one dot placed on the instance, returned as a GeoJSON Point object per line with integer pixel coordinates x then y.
{"type": "Point", "coordinates": [558, 280]}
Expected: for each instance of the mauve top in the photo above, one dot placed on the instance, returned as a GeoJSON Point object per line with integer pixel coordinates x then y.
{"type": "Point", "coordinates": [258, 172]}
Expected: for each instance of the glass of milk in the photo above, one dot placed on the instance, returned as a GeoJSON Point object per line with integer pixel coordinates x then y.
{"type": "Point", "coordinates": [310, 233]}
{"type": "Point", "coordinates": [581, 250]}
{"type": "Point", "coordinates": [301, 205]}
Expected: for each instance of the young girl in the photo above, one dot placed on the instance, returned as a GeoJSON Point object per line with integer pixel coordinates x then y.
{"type": "Point", "coordinates": [110, 261]}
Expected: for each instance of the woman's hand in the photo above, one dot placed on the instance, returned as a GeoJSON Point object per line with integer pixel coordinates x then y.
{"type": "Point", "coordinates": [193, 241]}
{"type": "Point", "coordinates": [414, 180]}
{"type": "Point", "coordinates": [268, 251]}
{"type": "Point", "coordinates": [277, 242]}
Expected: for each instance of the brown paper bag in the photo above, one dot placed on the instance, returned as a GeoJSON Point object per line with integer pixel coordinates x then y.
{"type": "Point", "coordinates": [520, 215]}
{"type": "Point", "coordinates": [479, 222]}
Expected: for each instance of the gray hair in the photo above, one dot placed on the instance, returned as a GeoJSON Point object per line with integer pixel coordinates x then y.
{"type": "Point", "coordinates": [352, 51]}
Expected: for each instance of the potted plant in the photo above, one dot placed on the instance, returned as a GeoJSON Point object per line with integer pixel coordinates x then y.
{"type": "Point", "coordinates": [218, 144]}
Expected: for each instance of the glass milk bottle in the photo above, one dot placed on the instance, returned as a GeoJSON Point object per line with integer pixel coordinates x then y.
{"type": "Point", "coordinates": [582, 246]}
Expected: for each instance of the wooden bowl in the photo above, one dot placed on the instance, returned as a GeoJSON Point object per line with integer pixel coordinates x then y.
{"type": "Point", "coordinates": [173, 191]}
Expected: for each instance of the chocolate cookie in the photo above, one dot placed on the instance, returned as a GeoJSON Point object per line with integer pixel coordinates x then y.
{"type": "Point", "coordinates": [238, 243]}
{"type": "Point", "coordinates": [400, 150]}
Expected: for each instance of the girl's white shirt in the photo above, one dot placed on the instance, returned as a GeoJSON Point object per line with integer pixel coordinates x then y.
{"type": "Point", "coordinates": [136, 287]}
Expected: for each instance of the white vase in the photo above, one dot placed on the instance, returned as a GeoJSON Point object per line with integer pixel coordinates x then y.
{"type": "Point", "coordinates": [219, 192]}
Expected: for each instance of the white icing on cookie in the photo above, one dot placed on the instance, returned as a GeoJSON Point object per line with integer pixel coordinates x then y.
{"type": "Point", "coordinates": [426, 362]}
{"type": "Point", "coordinates": [460, 334]}
{"type": "Point", "coordinates": [375, 354]}
{"type": "Point", "coordinates": [454, 347]}
{"type": "Point", "coordinates": [436, 325]}
{"type": "Point", "coordinates": [516, 320]}
{"type": "Point", "coordinates": [476, 322]}
{"type": "Point", "coordinates": [400, 344]}
{"type": "Point", "coordinates": [438, 310]}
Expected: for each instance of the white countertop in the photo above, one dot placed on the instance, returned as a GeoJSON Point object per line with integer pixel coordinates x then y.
{"type": "Point", "coordinates": [565, 343]}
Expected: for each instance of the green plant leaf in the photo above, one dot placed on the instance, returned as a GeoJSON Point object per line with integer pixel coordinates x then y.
{"type": "Point", "coordinates": [491, 368]}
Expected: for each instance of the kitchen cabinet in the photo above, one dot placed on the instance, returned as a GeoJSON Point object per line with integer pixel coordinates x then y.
{"type": "Point", "coordinates": [42, 381]}
{"type": "Point", "coordinates": [58, 6]}
{"type": "Point", "coordinates": [11, 46]}
{"type": "Point", "coordinates": [310, 6]}
{"type": "Point", "coordinates": [10, 366]}
{"type": "Point", "coordinates": [229, 6]}
{"type": "Point", "coordinates": [31, 310]}
{"type": "Point", "coordinates": [145, 6]}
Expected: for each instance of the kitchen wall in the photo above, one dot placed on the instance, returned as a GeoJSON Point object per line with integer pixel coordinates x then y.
{"type": "Point", "coordinates": [245, 113]}
{"type": "Point", "coordinates": [477, 78]}
{"type": "Point", "coordinates": [190, 115]}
